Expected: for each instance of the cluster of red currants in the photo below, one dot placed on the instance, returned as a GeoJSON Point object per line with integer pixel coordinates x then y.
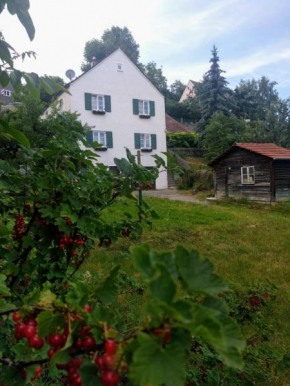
{"type": "Point", "coordinates": [41, 221]}
{"type": "Point", "coordinates": [27, 329]}
{"type": "Point", "coordinates": [126, 233]}
{"type": "Point", "coordinates": [56, 342]}
{"type": "Point", "coordinates": [19, 227]}
{"type": "Point", "coordinates": [73, 377]}
{"type": "Point", "coordinates": [107, 364]}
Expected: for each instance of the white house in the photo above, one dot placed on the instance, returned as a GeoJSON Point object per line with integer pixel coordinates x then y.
{"type": "Point", "coordinates": [123, 108]}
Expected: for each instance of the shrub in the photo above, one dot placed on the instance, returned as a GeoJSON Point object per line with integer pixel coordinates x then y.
{"type": "Point", "coordinates": [53, 328]}
{"type": "Point", "coordinates": [182, 139]}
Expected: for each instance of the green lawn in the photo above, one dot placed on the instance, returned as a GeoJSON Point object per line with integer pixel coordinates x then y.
{"type": "Point", "coordinates": [247, 244]}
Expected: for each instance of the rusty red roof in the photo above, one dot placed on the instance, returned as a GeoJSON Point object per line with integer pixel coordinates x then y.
{"type": "Point", "coordinates": [174, 126]}
{"type": "Point", "coordinates": [269, 150]}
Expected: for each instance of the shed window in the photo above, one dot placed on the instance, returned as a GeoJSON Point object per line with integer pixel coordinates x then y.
{"type": "Point", "coordinates": [248, 174]}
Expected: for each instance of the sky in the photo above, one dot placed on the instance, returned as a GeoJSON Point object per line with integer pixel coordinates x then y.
{"type": "Point", "coordinates": [252, 36]}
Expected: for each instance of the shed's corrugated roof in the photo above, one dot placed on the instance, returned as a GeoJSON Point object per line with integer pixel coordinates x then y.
{"type": "Point", "coordinates": [269, 150]}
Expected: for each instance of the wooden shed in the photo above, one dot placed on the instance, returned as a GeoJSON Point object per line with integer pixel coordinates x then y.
{"type": "Point", "coordinates": [256, 171]}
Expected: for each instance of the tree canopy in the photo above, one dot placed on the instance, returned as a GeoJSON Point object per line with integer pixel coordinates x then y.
{"type": "Point", "coordinates": [111, 40]}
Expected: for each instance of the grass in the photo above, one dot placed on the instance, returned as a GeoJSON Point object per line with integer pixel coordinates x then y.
{"type": "Point", "coordinates": [248, 244]}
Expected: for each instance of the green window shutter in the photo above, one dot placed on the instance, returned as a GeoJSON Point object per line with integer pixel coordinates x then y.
{"type": "Point", "coordinates": [89, 137]}
{"type": "Point", "coordinates": [108, 103]}
{"type": "Point", "coordinates": [136, 106]}
{"type": "Point", "coordinates": [153, 141]}
{"type": "Point", "coordinates": [137, 141]}
{"type": "Point", "coordinates": [109, 136]}
{"type": "Point", "coordinates": [88, 101]}
{"type": "Point", "coordinates": [152, 108]}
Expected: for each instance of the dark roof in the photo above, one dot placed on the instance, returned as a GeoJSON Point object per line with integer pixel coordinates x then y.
{"type": "Point", "coordinates": [174, 126]}
{"type": "Point", "coordinates": [269, 150]}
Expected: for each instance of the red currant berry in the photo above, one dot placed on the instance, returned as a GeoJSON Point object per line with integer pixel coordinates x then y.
{"type": "Point", "coordinates": [110, 378]}
{"type": "Point", "coordinates": [36, 342]}
{"type": "Point", "coordinates": [24, 374]}
{"type": "Point", "coordinates": [163, 332]}
{"type": "Point", "coordinates": [109, 361]}
{"type": "Point", "coordinates": [38, 371]}
{"type": "Point", "coordinates": [51, 352]}
{"type": "Point", "coordinates": [99, 361]}
{"type": "Point", "coordinates": [89, 344]}
{"type": "Point", "coordinates": [29, 331]}
{"type": "Point", "coordinates": [16, 317]}
{"type": "Point", "coordinates": [79, 344]}
{"type": "Point", "coordinates": [110, 347]}
{"type": "Point", "coordinates": [57, 340]}
{"type": "Point", "coordinates": [88, 308]}
{"type": "Point", "coordinates": [74, 253]}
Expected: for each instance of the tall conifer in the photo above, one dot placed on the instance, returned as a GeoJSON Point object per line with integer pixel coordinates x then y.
{"type": "Point", "coordinates": [214, 95]}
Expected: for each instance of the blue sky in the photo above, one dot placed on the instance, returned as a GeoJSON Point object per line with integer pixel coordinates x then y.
{"type": "Point", "coordinates": [252, 36]}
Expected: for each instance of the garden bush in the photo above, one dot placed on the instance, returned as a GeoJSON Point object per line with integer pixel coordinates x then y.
{"type": "Point", "coordinates": [53, 329]}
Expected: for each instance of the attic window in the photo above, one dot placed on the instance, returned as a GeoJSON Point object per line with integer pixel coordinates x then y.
{"type": "Point", "coordinates": [119, 67]}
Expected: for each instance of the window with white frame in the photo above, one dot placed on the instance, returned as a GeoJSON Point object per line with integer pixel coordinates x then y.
{"type": "Point", "coordinates": [100, 137]}
{"type": "Point", "coordinates": [248, 174]}
{"type": "Point", "coordinates": [98, 102]}
{"type": "Point", "coordinates": [144, 107]}
{"type": "Point", "coordinates": [6, 93]}
{"type": "Point", "coordinates": [145, 141]}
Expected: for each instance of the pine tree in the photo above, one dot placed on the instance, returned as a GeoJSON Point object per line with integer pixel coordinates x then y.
{"type": "Point", "coordinates": [214, 95]}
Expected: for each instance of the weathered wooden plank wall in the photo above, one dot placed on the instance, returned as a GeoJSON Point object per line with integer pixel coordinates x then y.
{"type": "Point", "coordinates": [282, 179]}
{"type": "Point", "coordinates": [231, 165]}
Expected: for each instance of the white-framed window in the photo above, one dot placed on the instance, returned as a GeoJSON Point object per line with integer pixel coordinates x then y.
{"type": "Point", "coordinates": [144, 107]}
{"type": "Point", "coordinates": [6, 93]}
{"type": "Point", "coordinates": [119, 67]}
{"type": "Point", "coordinates": [145, 141]}
{"type": "Point", "coordinates": [248, 174]}
{"type": "Point", "coordinates": [100, 137]}
{"type": "Point", "coordinates": [98, 102]}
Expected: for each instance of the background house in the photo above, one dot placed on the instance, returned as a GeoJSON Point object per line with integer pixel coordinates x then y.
{"type": "Point", "coordinates": [123, 109]}
{"type": "Point", "coordinates": [257, 171]}
{"type": "Point", "coordinates": [189, 91]}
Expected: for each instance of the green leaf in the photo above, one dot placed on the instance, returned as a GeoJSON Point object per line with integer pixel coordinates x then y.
{"type": "Point", "coordinates": [18, 136]}
{"type": "Point", "coordinates": [49, 322]}
{"type": "Point", "coordinates": [5, 53]}
{"type": "Point", "coordinates": [89, 374]}
{"type": "Point", "coordinates": [25, 18]}
{"type": "Point", "coordinates": [61, 356]}
{"type": "Point", "coordinates": [108, 290]}
{"type": "Point", "coordinates": [142, 261]}
{"type": "Point", "coordinates": [162, 286]}
{"type": "Point", "coordinates": [124, 166]}
{"type": "Point", "coordinates": [197, 274]}
{"type": "Point", "coordinates": [78, 294]}
{"type": "Point", "coordinates": [4, 290]}
{"type": "Point", "coordinates": [47, 298]}
{"type": "Point", "coordinates": [154, 365]}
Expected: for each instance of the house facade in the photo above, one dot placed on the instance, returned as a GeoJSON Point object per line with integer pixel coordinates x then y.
{"type": "Point", "coordinates": [123, 110]}
{"type": "Point", "coordinates": [189, 91]}
{"type": "Point", "coordinates": [256, 171]}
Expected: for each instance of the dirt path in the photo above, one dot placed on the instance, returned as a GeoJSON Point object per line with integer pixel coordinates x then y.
{"type": "Point", "coordinates": [173, 194]}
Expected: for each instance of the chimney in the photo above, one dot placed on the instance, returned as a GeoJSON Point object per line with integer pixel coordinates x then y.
{"type": "Point", "coordinates": [94, 61]}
